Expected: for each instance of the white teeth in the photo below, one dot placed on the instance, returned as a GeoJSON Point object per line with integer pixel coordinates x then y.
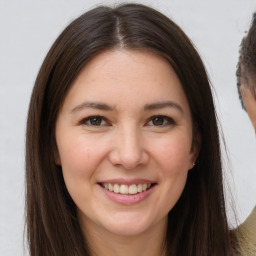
{"type": "Point", "coordinates": [133, 189]}
{"type": "Point", "coordinates": [110, 187]}
{"type": "Point", "coordinates": [116, 188]}
{"type": "Point", "coordinates": [125, 189]}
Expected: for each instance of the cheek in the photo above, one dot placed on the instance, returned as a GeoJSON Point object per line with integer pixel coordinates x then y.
{"type": "Point", "coordinates": [173, 162]}
{"type": "Point", "coordinates": [79, 161]}
{"type": "Point", "coordinates": [79, 157]}
{"type": "Point", "coordinates": [174, 155]}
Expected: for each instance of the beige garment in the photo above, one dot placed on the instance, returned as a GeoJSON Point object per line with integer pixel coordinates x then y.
{"type": "Point", "coordinates": [246, 235]}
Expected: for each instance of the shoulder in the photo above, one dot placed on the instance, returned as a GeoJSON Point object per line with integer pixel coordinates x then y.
{"type": "Point", "coordinates": [246, 235]}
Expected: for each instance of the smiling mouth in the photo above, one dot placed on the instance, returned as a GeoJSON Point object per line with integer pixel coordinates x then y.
{"type": "Point", "coordinates": [127, 189]}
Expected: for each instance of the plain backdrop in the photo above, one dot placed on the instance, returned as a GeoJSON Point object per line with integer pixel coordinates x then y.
{"type": "Point", "coordinates": [27, 30]}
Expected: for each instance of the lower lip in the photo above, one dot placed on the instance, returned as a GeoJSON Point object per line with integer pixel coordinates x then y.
{"type": "Point", "coordinates": [128, 199]}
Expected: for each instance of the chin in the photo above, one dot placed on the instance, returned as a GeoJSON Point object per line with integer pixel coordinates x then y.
{"type": "Point", "coordinates": [130, 224]}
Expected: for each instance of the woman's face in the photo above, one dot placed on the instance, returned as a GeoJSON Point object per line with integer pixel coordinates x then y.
{"type": "Point", "coordinates": [126, 126]}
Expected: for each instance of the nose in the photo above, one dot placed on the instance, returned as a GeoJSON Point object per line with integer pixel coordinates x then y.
{"type": "Point", "coordinates": [128, 150]}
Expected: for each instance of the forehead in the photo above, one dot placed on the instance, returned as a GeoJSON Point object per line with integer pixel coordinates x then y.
{"type": "Point", "coordinates": [120, 75]}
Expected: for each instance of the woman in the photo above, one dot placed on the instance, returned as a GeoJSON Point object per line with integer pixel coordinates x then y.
{"type": "Point", "coordinates": [122, 142]}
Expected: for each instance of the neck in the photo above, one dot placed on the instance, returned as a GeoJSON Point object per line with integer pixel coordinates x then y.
{"type": "Point", "coordinates": [149, 243]}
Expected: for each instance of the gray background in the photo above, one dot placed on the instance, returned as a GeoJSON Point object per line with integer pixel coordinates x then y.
{"type": "Point", "coordinates": [27, 30]}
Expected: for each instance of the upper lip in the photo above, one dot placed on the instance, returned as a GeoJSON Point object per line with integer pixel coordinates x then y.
{"type": "Point", "coordinates": [127, 181]}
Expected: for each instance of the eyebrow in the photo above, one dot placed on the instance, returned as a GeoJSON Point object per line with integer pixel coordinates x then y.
{"type": "Point", "coordinates": [160, 105]}
{"type": "Point", "coordinates": [92, 105]}
{"type": "Point", "coordinates": [147, 107]}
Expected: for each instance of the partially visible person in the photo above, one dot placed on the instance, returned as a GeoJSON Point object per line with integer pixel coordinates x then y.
{"type": "Point", "coordinates": [246, 84]}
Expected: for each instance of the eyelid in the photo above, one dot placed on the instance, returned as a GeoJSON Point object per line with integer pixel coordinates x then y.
{"type": "Point", "coordinates": [85, 121]}
{"type": "Point", "coordinates": [170, 120]}
{"type": "Point", "coordinates": [167, 121]}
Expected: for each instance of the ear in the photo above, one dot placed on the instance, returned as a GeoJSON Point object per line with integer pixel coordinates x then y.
{"type": "Point", "coordinates": [195, 149]}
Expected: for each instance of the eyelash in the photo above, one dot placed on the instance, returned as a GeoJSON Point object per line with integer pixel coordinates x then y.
{"type": "Point", "coordinates": [166, 121]}
{"type": "Point", "coordinates": [88, 119]}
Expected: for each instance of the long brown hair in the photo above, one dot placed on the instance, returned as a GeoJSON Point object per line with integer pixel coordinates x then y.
{"type": "Point", "coordinates": [197, 225]}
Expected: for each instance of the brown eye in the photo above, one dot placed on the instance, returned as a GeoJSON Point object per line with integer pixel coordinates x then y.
{"type": "Point", "coordinates": [94, 121]}
{"type": "Point", "coordinates": [158, 120]}
{"type": "Point", "coordinates": [161, 121]}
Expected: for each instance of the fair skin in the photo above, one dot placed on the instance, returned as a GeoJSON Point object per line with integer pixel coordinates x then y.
{"type": "Point", "coordinates": [125, 125]}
